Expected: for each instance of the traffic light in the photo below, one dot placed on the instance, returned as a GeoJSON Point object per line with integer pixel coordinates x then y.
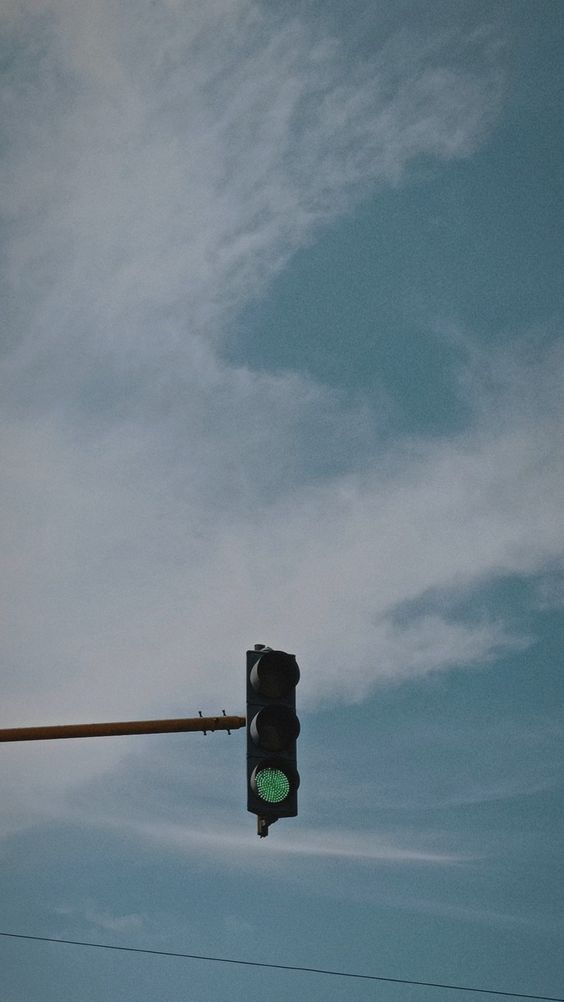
{"type": "Point", "coordinates": [272, 731]}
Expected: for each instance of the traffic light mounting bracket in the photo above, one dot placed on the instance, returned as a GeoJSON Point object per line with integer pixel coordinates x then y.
{"type": "Point", "coordinates": [263, 825]}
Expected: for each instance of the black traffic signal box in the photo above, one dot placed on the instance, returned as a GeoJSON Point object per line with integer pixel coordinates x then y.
{"type": "Point", "coordinates": [272, 731]}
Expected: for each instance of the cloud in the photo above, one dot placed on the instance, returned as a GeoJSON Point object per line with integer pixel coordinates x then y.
{"type": "Point", "coordinates": [116, 572]}
{"type": "Point", "coordinates": [96, 919]}
{"type": "Point", "coordinates": [465, 913]}
{"type": "Point", "coordinates": [165, 161]}
{"type": "Point", "coordinates": [163, 509]}
{"type": "Point", "coordinates": [324, 844]}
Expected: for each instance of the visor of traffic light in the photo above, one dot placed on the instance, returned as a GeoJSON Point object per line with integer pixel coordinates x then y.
{"type": "Point", "coordinates": [275, 674]}
{"type": "Point", "coordinates": [273, 781]}
{"type": "Point", "coordinates": [275, 728]}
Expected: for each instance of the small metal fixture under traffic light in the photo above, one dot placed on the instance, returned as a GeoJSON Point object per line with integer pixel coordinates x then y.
{"type": "Point", "coordinates": [272, 732]}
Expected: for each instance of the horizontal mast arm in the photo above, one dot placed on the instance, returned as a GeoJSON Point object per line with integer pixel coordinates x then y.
{"type": "Point", "coordinates": [122, 727]}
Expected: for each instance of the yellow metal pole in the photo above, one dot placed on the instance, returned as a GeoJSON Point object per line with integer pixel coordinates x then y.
{"type": "Point", "coordinates": [205, 724]}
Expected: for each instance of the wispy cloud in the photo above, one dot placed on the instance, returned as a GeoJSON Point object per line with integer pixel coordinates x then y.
{"type": "Point", "coordinates": [466, 913]}
{"type": "Point", "coordinates": [112, 568]}
{"type": "Point", "coordinates": [166, 161]}
{"type": "Point", "coordinates": [323, 844]}
{"type": "Point", "coordinates": [162, 508]}
{"type": "Point", "coordinates": [97, 919]}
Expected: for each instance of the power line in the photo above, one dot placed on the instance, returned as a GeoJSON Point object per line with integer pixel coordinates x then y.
{"type": "Point", "coordinates": [283, 967]}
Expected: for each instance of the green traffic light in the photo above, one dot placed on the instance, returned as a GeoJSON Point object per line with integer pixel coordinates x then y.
{"type": "Point", "coordinates": [273, 785]}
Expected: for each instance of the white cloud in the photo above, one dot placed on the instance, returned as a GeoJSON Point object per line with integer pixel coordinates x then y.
{"type": "Point", "coordinates": [328, 843]}
{"type": "Point", "coordinates": [117, 573]}
{"type": "Point", "coordinates": [162, 509]}
{"type": "Point", "coordinates": [99, 919]}
{"type": "Point", "coordinates": [165, 162]}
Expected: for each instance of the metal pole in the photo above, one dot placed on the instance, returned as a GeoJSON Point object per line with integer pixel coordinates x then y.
{"type": "Point", "coordinates": [204, 724]}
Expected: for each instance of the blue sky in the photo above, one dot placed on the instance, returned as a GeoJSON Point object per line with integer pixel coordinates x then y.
{"type": "Point", "coordinates": [282, 363]}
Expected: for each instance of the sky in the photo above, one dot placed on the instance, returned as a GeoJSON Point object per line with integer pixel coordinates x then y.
{"type": "Point", "coordinates": [282, 363]}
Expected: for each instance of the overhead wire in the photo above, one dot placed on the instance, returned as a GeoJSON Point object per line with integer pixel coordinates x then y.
{"type": "Point", "coordinates": [282, 967]}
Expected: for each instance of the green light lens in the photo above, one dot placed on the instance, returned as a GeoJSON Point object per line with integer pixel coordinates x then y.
{"type": "Point", "coordinates": [273, 785]}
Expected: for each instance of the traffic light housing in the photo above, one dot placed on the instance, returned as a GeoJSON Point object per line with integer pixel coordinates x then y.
{"type": "Point", "coordinates": [272, 732]}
